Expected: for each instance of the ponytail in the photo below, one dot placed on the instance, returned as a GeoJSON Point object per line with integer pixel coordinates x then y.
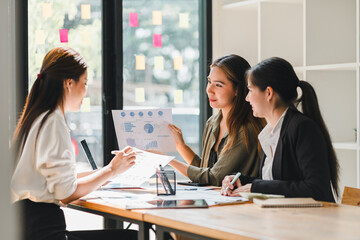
{"type": "Point", "coordinates": [311, 109]}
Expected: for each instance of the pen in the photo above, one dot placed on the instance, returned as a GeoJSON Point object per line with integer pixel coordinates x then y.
{"type": "Point", "coordinates": [233, 181]}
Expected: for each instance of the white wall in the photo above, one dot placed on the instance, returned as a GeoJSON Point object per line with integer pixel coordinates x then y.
{"type": "Point", "coordinates": [7, 79]}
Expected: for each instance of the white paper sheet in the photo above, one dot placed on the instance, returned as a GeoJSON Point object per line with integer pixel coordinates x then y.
{"type": "Point", "coordinates": [145, 166]}
{"type": "Point", "coordinates": [144, 129]}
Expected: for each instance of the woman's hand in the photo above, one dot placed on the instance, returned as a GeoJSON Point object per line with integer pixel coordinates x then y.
{"type": "Point", "coordinates": [123, 160]}
{"type": "Point", "coordinates": [236, 192]}
{"type": "Point", "coordinates": [227, 188]}
{"type": "Point", "coordinates": [179, 140]}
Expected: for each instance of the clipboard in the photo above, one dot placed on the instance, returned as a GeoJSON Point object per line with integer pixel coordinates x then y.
{"type": "Point", "coordinates": [88, 154]}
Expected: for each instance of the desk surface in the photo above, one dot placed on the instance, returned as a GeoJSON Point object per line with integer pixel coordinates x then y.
{"type": "Point", "coordinates": [248, 221]}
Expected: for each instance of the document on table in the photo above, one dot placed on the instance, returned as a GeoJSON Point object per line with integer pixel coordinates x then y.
{"type": "Point", "coordinates": [145, 166]}
{"type": "Point", "coordinates": [144, 129]}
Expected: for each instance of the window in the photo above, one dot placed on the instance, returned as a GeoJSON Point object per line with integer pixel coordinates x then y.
{"type": "Point", "coordinates": [161, 60]}
{"type": "Point", "coordinates": [76, 24]}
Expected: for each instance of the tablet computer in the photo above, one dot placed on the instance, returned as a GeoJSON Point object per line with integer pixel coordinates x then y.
{"type": "Point", "coordinates": [154, 204]}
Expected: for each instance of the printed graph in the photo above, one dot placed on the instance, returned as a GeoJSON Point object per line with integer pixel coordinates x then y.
{"type": "Point", "coordinates": [151, 145]}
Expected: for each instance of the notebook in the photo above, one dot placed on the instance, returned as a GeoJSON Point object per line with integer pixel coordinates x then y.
{"type": "Point", "coordinates": [287, 202]}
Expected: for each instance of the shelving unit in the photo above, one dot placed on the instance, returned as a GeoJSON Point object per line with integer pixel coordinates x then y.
{"type": "Point", "coordinates": [320, 38]}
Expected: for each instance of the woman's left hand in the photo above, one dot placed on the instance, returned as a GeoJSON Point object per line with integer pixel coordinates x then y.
{"type": "Point", "coordinates": [237, 191]}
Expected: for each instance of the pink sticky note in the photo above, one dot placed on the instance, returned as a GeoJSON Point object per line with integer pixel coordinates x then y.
{"type": "Point", "coordinates": [133, 20]}
{"type": "Point", "coordinates": [63, 35]}
{"type": "Point", "coordinates": [157, 40]}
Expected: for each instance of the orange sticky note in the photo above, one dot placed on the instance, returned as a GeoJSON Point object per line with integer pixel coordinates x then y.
{"type": "Point", "coordinates": [85, 106]}
{"type": "Point", "coordinates": [133, 20]}
{"type": "Point", "coordinates": [38, 60]}
{"type": "Point", "coordinates": [178, 96]}
{"type": "Point", "coordinates": [40, 37]}
{"type": "Point", "coordinates": [178, 63]}
{"type": "Point", "coordinates": [85, 37]}
{"type": "Point", "coordinates": [139, 95]}
{"type": "Point", "coordinates": [46, 10]}
{"type": "Point", "coordinates": [63, 35]}
{"type": "Point", "coordinates": [85, 11]}
{"type": "Point", "coordinates": [157, 17]}
{"type": "Point", "coordinates": [159, 62]}
{"type": "Point", "coordinates": [184, 20]}
{"type": "Point", "coordinates": [157, 40]}
{"type": "Point", "coordinates": [140, 62]}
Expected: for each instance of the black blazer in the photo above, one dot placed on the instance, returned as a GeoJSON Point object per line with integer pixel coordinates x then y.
{"type": "Point", "coordinates": [300, 167]}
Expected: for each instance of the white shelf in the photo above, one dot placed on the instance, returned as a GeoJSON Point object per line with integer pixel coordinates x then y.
{"type": "Point", "coordinates": [346, 145]}
{"type": "Point", "coordinates": [234, 5]}
{"type": "Point", "coordinates": [320, 38]}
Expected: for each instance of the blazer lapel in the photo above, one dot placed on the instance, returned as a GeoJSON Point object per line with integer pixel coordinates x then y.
{"type": "Point", "coordinates": [278, 157]}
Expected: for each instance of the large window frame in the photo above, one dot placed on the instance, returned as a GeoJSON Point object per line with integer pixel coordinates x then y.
{"type": "Point", "coordinates": [112, 83]}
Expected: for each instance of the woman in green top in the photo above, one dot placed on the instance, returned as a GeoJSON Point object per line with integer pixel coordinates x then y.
{"type": "Point", "coordinates": [230, 141]}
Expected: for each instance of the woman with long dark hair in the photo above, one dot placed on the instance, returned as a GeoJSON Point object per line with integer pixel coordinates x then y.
{"type": "Point", "coordinates": [298, 158]}
{"type": "Point", "coordinates": [45, 176]}
{"type": "Point", "coordinates": [230, 136]}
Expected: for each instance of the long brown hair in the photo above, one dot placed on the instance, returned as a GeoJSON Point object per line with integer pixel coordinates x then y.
{"type": "Point", "coordinates": [280, 75]}
{"type": "Point", "coordinates": [47, 92]}
{"type": "Point", "coordinates": [240, 114]}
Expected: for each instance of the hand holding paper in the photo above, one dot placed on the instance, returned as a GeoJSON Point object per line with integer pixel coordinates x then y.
{"type": "Point", "coordinates": [144, 167]}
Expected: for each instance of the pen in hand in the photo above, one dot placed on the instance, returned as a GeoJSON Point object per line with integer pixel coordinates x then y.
{"type": "Point", "coordinates": [233, 181]}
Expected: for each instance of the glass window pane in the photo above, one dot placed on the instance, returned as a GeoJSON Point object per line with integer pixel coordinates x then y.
{"type": "Point", "coordinates": [76, 24]}
{"type": "Point", "coordinates": [161, 60]}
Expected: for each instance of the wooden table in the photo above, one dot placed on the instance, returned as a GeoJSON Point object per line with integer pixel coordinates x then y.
{"type": "Point", "coordinates": [243, 221]}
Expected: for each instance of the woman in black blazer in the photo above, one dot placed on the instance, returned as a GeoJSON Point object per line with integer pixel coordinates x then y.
{"type": "Point", "coordinates": [298, 159]}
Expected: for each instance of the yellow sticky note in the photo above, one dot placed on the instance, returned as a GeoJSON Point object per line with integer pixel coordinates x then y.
{"type": "Point", "coordinates": [46, 10]}
{"type": "Point", "coordinates": [85, 37]}
{"type": "Point", "coordinates": [140, 62]}
{"type": "Point", "coordinates": [85, 11]}
{"type": "Point", "coordinates": [159, 62]}
{"type": "Point", "coordinates": [139, 95]}
{"type": "Point", "coordinates": [40, 37]}
{"type": "Point", "coordinates": [85, 107]}
{"type": "Point", "coordinates": [184, 20]}
{"type": "Point", "coordinates": [38, 60]}
{"type": "Point", "coordinates": [178, 96]}
{"type": "Point", "coordinates": [178, 63]}
{"type": "Point", "coordinates": [157, 17]}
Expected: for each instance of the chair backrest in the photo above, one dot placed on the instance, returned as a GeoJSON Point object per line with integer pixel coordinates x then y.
{"type": "Point", "coordinates": [351, 196]}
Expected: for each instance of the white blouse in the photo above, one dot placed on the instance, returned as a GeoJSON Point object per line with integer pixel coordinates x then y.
{"type": "Point", "coordinates": [269, 138]}
{"type": "Point", "coordinates": [46, 171]}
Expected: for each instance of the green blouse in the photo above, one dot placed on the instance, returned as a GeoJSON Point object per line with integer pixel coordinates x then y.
{"type": "Point", "coordinates": [238, 158]}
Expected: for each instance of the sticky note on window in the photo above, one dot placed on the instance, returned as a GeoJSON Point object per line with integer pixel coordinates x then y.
{"type": "Point", "coordinates": [157, 17]}
{"type": "Point", "coordinates": [85, 37]}
{"type": "Point", "coordinates": [38, 60]}
{"type": "Point", "coordinates": [85, 106]}
{"type": "Point", "coordinates": [85, 11]}
{"type": "Point", "coordinates": [178, 96]}
{"type": "Point", "coordinates": [133, 20]}
{"type": "Point", "coordinates": [40, 37]}
{"type": "Point", "coordinates": [184, 20]}
{"type": "Point", "coordinates": [139, 95]}
{"type": "Point", "coordinates": [178, 63]}
{"type": "Point", "coordinates": [157, 40]}
{"type": "Point", "coordinates": [63, 35]}
{"type": "Point", "coordinates": [140, 62]}
{"type": "Point", "coordinates": [159, 62]}
{"type": "Point", "coordinates": [46, 10]}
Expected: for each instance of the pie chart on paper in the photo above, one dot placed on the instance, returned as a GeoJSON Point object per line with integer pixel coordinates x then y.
{"type": "Point", "coordinates": [148, 128]}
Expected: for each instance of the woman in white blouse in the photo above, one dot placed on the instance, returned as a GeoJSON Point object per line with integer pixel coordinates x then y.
{"type": "Point", "coordinates": [45, 177]}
